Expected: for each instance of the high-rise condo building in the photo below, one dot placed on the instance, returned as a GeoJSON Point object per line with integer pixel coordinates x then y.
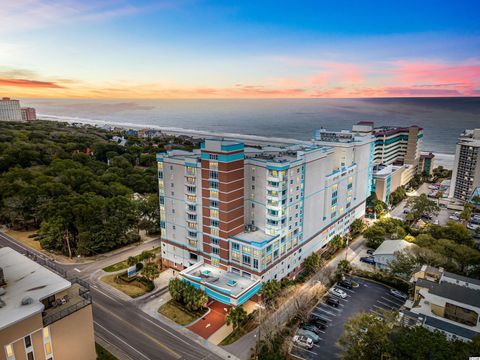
{"type": "Point", "coordinates": [42, 315]}
{"type": "Point", "coordinates": [10, 110]}
{"type": "Point", "coordinates": [394, 144]}
{"type": "Point", "coordinates": [396, 156]}
{"type": "Point", "coordinates": [466, 167]}
{"type": "Point", "coordinates": [233, 216]}
{"type": "Point", "coordinates": [28, 114]}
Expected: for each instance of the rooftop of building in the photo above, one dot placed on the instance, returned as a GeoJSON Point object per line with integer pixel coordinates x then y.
{"type": "Point", "coordinates": [220, 280]}
{"type": "Point", "coordinates": [459, 293]}
{"type": "Point", "coordinates": [425, 155]}
{"type": "Point", "coordinates": [470, 134]}
{"type": "Point", "coordinates": [449, 327]}
{"type": "Point", "coordinates": [389, 247]}
{"type": "Point", "coordinates": [384, 170]}
{"type": "Point", "coordinates": [256, 238]}
{"type": "Point", "coordinates": [466, 279]}
{"type": "Point", "coordinates": [339, 137]}
{"type": "Point", "coordinates": [27, 282]}
{"type": "Point", "coordinates": [275, 154]}
{"type": "Point", "coordinates": [389, 130]}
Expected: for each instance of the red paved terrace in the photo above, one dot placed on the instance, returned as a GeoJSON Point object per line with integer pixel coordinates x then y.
{"type": "Point", "coordinates": [210, 323]}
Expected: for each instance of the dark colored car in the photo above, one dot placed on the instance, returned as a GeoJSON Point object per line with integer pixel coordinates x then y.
{"type": "Point", "coordinates": [312, 328]}
{"type": "Point", "coordinates": [370, 251]}
{"type": "Point", "coordinates": [315, 319]}
{"type": "Point", "coordinates": [345, 283]}
{"type": "Point", "coordinates": [368, 260]}
{"type": "Point", "coordinates": [333, 302]}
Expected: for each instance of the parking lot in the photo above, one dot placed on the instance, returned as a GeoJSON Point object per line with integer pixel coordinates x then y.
{"type": "Point", "coordinates": [368, 296]}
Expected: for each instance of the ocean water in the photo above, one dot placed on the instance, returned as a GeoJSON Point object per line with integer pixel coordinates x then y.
{"type": "Point", "coordinates": [443, 119]}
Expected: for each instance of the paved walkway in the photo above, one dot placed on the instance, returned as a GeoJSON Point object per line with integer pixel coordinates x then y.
{"type": "Point", "coordinates": [210, 323]}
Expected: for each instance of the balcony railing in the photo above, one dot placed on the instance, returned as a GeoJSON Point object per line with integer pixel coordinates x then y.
{"type": "Point", "coordinates": [78, 298]}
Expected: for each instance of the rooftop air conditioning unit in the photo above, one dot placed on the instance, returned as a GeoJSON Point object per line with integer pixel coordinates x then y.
{"type": "Point", "coordinates": [27, 300]}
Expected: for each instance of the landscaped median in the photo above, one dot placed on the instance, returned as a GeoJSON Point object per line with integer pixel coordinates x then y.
{"type": "Point", "coordinates": [133, 287]}
{"type": "Point", "coordinates": [141, 281]}
{"type": "Point", "coordinates": [122, 265]}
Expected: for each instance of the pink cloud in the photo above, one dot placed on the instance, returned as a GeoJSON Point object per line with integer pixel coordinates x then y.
{"type": "Point", "coordinates": [463, 78]}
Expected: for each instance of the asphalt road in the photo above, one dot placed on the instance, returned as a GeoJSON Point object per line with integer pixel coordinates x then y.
{"type": "Point", "coordinates": [127, 328]}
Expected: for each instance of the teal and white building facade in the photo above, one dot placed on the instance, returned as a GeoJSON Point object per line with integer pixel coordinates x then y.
{"type": "Point", "coordinates": [294, 200]}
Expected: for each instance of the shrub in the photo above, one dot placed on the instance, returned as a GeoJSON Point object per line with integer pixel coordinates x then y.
{"type": "Point", "coordinates": [384, 278]}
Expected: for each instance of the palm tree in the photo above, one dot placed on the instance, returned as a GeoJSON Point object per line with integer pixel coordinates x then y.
{"type": "Point", "coordinates": [150, 271]}
{"type": "Point", "coordinates": [236, 316]}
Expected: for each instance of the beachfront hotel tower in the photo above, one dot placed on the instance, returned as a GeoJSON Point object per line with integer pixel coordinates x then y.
{"type": "Point", "coordinates": [234, 216]}
{"type": "Point", "coordinates": [466, 167]}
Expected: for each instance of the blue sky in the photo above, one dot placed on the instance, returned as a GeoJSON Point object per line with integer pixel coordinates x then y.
{"type": "Point", "coordinates": [217, 49]}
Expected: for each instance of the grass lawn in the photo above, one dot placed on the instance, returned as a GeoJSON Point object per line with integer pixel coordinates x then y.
{"type": "Point", "coordinates": [23, 237]}
{"type": "Point", "coordinates": [116, 267]}
{"type": "Point", "coordinates": [103, 354]}
{"type": "Point", "coordinates": [133, 289]}
{"type": "Point", "coordinates": [233, 336]}
{"type": "Point", "coordinates": [177, 313]}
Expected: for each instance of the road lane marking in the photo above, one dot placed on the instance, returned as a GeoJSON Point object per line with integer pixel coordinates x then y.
{"type": "Point", "coordinates": [162, 345]}
{"type": "Point", "coordinates": [77, 270]}
{"type": "Point", "coordinates": [391, 301]}
{"type": "Point", "coordinates": [130, 346]}
{"type": "Point", "coordinates": [325, 311]}
{"type": "Point", "coordinates": [387, 305]}
{"type": "Point", "coordinates": [322, 316]}
{"type": "Point", "coordinates": [303, 349]}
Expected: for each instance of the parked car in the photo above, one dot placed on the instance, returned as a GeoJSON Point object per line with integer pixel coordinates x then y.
{"type": "Point", "coordinates": [436, 222]}
{"type": "Point", "coordinates": [368, 260]}
{"type": "Point", "coordinates": [398, 294]}
{"type": "Point", "coordinates": [318, 324]}
{"type": "Point", "coordinates": [370, 251]}
{"type": "Point", "coordinates": [454, 217]}
{"type": "Point", "coordinates": [303, 341]}
{"type": "Point", "coordinates": [472, 226]}
{"type": "Point", "coordinates": [312, 328]}
{"type": "Point", "coordinates": [346, 283]}
{"type": "Point", "coordinates": [427, 216]}
{"type": "Point", "coordinates": [406, 211]}
{"type": "Point", "coordinates": [317, 320]}
{"type": "Point", "coordinates": [332, 301]}
{"type": "Point", "coordinates": [315, 338]}
{"type": "Point", "coordinates": [338, 292]}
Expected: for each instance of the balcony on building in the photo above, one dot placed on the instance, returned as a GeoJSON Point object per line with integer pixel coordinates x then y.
{"type": "Point", "coordinates": [63, 304]}
{"type": "Point", "coordinates": [190, 180]}
{"type": "Point", "coordinates": [225, 286]}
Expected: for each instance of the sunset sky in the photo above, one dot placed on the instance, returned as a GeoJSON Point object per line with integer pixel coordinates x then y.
{"type": "Point", "coordinates": [239, 49]}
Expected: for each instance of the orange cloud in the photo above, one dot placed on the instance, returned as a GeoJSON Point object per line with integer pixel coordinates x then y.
{"type": "Point", "coordinates": [29, 83]}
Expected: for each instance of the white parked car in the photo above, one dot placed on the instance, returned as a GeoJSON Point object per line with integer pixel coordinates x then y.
{"type": "Point", "coordinates": [398, 294]}
{"type": "Point", "coordinates": [454, 217]}
{"type": "Point", "coordinates": [338, 292]}
{"type": "Point", "coordinates": [472, 226]}
{"type": "Point", "coordinates": [303, 341]}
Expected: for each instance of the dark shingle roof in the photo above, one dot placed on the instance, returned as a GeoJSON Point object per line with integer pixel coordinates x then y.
{"type": "Point", "coordinates": [451, 291]}
{"type": "Point", "coordinates": [461, 278]}
{"type": "Point", "coordinates": [449, 327]}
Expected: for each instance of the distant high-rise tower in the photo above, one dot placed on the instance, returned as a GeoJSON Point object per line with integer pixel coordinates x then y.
{"type": "Point", "coordinates": [466, 168]}
{"type": "Point", "coordinates": [10, 110]}
{"type": "Point", "coordinates": [28, 114]}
